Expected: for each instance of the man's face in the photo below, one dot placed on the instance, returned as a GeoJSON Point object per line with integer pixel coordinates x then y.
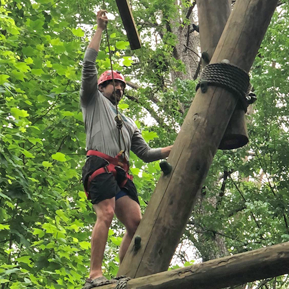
{"type": "Point", "coordinates": [107, 91]}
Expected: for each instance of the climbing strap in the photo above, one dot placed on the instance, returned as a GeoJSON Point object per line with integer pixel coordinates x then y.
{"type": "Point", "coordinates": [228, 76]}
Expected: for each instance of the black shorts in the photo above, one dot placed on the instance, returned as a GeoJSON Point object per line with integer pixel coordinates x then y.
{"type": "Point", "coordinates": [104, 186]}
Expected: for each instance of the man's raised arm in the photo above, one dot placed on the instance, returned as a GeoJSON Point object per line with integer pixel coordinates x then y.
{"type": "Point", "coordinates": [89, 74]}
{"type": "Point", "coordinates": [101, 25]}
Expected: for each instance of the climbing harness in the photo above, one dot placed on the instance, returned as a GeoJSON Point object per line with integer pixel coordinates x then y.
{"type": "Point", "coordinates": [116, 166]}
{"type": "Point", "coordinates": [228, 76]}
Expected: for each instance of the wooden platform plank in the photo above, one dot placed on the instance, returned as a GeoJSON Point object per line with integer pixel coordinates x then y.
{"type": "Point", "coordinates": [129, 24]}
{"type": "Point", "coordinates": [238, 269]}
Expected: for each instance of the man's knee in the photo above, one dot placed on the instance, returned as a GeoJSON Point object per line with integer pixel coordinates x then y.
{"type": "Point", "coordinates": [132, 226]}
{"type": "Point", "coordinates": [105, 215]}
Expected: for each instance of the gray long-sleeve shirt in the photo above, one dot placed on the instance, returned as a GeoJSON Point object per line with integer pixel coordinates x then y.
{"type": "Point", "coordinates": [99, 114]}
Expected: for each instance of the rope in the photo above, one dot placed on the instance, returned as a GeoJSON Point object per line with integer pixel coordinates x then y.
{"type": "Point", "coordinates": [118, 119]}
{"type": "Point", "coordinates": [228, 76]}
{"type": "Point", "coordinates": [122, 283]}
{"type": "Point", "coordinates": [111, 68]}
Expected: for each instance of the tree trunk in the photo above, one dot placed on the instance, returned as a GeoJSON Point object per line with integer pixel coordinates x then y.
{"type": "Point", "coordinates": [213, 16]}
{"type": "Point", "coordinates": [196, 145]}
{"type": "Point", "coordinates": [187, 45]}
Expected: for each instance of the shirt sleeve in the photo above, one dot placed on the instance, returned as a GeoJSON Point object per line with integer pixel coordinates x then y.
{"type": "Point", "coordinates": [142, 149]}
{"type": "Point", "coordinates": [89, 87]}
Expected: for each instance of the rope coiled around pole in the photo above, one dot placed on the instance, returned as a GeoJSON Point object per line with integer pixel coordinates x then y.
{"type": "Point", "coordinates": [228, 76]}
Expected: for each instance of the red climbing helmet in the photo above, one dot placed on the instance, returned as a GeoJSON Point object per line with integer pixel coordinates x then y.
{"type": "Point", "coordinates": [107, 75]}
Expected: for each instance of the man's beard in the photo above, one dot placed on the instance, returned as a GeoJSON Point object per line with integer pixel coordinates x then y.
{"type": "Point", "coordinates": [115, 98]}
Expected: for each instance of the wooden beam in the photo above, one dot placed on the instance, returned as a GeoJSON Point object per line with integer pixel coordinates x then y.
{"type": "Point", "coordinates": [213, 16]}
{"type": "Point", "coordinates": [128, 23]}
{"type": "Point", "coordinates": [171, 204]}
{"type": "Point", "coordinates": [215, 274]}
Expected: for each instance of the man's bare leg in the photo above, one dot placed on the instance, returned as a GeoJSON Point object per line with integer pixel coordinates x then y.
{"type": "Point", "coordinates": [128, 212]}
{"type": "Point", "coordinates": [105, 212]}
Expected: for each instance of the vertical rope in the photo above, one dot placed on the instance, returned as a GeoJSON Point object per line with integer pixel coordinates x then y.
{"type": "Point", "coordinates": [118, 119]}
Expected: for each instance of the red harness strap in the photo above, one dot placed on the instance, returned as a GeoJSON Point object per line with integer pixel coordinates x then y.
{"type": "Point", "coordinates": [110, 168]}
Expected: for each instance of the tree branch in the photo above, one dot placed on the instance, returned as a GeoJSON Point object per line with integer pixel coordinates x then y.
{"type": "Point", "coordinates": [152, 112]}
{"type": "Point", "coordinates": [271, 188]}
{"type": "Point", "coordinates": [253, 216]}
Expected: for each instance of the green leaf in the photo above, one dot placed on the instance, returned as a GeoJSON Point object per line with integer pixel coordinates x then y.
{"type": "Point", "coordinates": [49, 228]}
{"type": "Point", "coordinates": [38, 232]}
{"type": "Point", "coordinates": [78, 116]}
{"type": "Point", "coordinates": [34, 140]}
{"type": "Point", "coordinates": [29, 60]}
{"type": "Point", "coordinates": [37, 72]}
{"type": "Point", "coordinates": [18, 75]}
{"type": "Point", "coordinates": [101, 55]}
{"type": "Point", "coordinates": [135, 171]}
{"type": "Point", "coordinates": [33, 180]}
{"type": "Point", "coordinates": [141, 202]}
{"type": "Point", "coordinates": [35, 6]}
{"type": "Point", "coordinates": [127, 61]}
{"type": "Point", "coordinates": [24, 259]}
{"type": "Point", "coordinates": [4, 196]}
{"type": "Point", "coordinates": [78, 32]}
{"type": "Point", "coordinates": [59, 157]}
{"type": "Point", "coordinates": [27, 281]}
{"type": "Point", "coordinates": [189, 263]}
{"type": "Point", "coordinates": [61, 70]}
{"type": "Point", "coordinates": [149, 135]}
{"type": "Point", "coordinates": [122, 44]}
{"type": "Point", "coordinates": [47, 164]}
{"type": "Point", "coordinates": [28, 154]}
{"type": "Point", "coordinates": [122, 105]}
{"type": "Point", "coordinates": [74, 227]}
{"type": "Point", "coordinates": [22, 67]}
{"type": "Point", "coordinates": [56, 42]}
{"type": "Point", "coordinates": [3, 78]}
{"type": "Point", "coordinates": [85, 245]}
{"type": "Point", "coordinates": [28, 51]}
{"type": "Point", "coordinates": [16, 112]}
{"type": "Point", "coordinates": [4, 227]}
{"type": "Point", "coordinates": [82, 195]}
{"type": "Point", "coordinates": [116, 240]}
{"type": "Point", "coordinates": [41, 98]}
{"type": "Point", "coordinates": [62, 215]}
{"type": "Point", "coordinates": [12, 271]}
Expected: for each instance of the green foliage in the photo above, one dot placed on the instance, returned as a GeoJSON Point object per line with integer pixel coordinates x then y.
{"type": "Point", "coordinates": [45, 219]}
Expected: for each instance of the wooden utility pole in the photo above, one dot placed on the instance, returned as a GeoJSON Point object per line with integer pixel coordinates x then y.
{"type": "Point", "coordinates": [213, 16]}
{"type": "Point", "coordinates": [196, 145]}
{"type": "Point", "coordinates": [220, 273]}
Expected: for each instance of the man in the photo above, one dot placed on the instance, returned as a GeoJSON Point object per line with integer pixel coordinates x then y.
{"type": "Point", "coordinates": [105, 174]}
